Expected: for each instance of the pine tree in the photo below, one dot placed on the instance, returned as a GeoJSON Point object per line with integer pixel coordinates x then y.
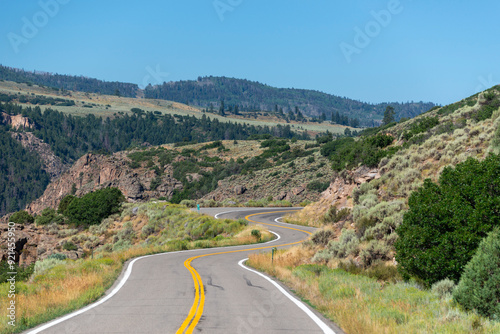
{"type": "Point", "coordinates": [221, 108]}
{"type": "Point", "coordinates": [479, 287]}
{"type": "Point", "coordinates": [388, 115]}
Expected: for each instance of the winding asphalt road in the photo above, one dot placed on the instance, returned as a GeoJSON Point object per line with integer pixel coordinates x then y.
{"type": "Point", "coordinates": [201, 291]}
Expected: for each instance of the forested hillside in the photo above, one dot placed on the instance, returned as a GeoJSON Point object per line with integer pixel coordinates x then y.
{"type": "Point", "coordinates": [211, 92]}
{"type": "Point", "coordinates": [221, 94]}
{"type": "Point", "coordinates": [68, 82]}
{"type": "Point", "coordinates": [22, 179]}
{"type": "Point", "coordinates": [71, 137]}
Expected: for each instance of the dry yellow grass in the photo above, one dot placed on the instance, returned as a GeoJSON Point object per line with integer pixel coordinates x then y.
{"type": "Point", "coordinates": [309, 216]}
{"type": "Point", "coordinates": [360, 304]}
{"type": "Point", "coordinates": [72, 285]}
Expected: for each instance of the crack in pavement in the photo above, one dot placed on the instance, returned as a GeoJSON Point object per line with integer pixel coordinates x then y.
{"type": "Point", "coordinates": [209, 282]}
{"type": "Point", "coordinates": [249, 283]}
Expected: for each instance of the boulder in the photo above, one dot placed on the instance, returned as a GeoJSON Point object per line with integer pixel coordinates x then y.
{"type": "Point", "coordinates": [280, 197]}
{"type": "Point", "coordinates": [31, 243]}
{"type": "Point", "coordinates": [297, 191]}
{"type": "Point", "coordinates": [240, 190]}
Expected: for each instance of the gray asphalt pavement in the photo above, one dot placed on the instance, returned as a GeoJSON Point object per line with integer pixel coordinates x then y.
{"type": "Point", "coordinates": [159, 292]}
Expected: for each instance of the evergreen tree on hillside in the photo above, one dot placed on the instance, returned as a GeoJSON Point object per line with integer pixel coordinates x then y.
{"type": "Point", "coordinates": [221, 108]}
{"type": "Point", "coordinates": [322, 117]}
{"type": "Point", "coordinates": [388, 115]}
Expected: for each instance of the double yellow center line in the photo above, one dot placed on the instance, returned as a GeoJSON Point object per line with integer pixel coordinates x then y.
{"type": "Point", "coordinates": [196, 310]}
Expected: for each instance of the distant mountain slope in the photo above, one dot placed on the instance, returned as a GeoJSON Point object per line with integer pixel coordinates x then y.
{"type": "Point", "coordinates": [246, 95]}
{"type": "Point", "coordinates": [250, 95]}
{"type": "Point", "coordinates": [68, 82]}
{"type": "Point", "coordinates": [25, 172]}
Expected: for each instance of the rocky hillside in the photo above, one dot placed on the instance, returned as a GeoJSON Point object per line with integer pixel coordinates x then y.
{"type": "Point", "coordinates": [93, 171]}
{"type": "Point", "coordinates": [226, 171]}
{"type": "Point", "coordinates": [376, 198]}
{"type": "Point", "coordinates": [33, 243]}
{"type": "Point", "coordinates": [17, 121]}
{"type": "Point", "coordinates": [52, 164]}
{"type": "Point", "coordinates": [338, 195]}
{"type": "Point", "coordinates": [295, 182]}
{"type": "Point", "coordinates": [54, 139]}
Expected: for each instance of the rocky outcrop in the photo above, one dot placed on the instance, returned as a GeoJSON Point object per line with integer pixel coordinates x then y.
{"type": "Point", "coordinates": [33, 243]}
{"type": "Point", "coordinates": [53, 165]}
{"type": "Point", "coordinates": [338, 193]}
{"type": "Point", "coordinates": [299, 190]}
{"type": "Point", "coordinates": [92, 172]}
{"type": "Point", "coordinates": [280, 197]}
{"type": "Point", "coordinates": [259, 186]}
{"type": "Point", "coordinates": [239, 190]}
{"type": "Point", "coordinates": [18, 121]}
{"type": "Point", "coordinates": [340, 190]}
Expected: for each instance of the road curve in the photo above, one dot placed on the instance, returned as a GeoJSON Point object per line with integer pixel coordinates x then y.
{"type": "Point", "coordinates": [200, 291]}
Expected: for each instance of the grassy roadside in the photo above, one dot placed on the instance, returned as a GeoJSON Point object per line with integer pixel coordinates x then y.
{"type": "Point", "coordinates": [359, 304]}
{"type": "Point", "coordinates": [60, 286]}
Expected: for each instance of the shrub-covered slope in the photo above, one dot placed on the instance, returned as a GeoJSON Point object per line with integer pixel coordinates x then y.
{"type": "Point", "coordinates": [388, 227]}
{"type": "Point", "coordinates": [421, 149]}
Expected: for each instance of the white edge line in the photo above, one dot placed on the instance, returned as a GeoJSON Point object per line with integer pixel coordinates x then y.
{"type": "Point", "coordinates": [128, 272]}
{"type": "Point", "coordinates": [276, 220]}
{"type": "Point", "coordinates": [278, 237]}
{"type": "Point", "coordinates": [259, 208]}
{"type": "Point", "coordinates": [222, 213]}
{"type": "Point", "coordinates": [324, 327]}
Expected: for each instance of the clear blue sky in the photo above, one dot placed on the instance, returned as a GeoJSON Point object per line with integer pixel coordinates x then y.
{"type": "Point", "coordinates": [439, 51]}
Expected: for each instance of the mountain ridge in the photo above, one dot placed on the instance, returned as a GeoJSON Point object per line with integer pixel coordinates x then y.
{"type": "Point", "coordinates": [246, 94]}
{"type": "Point", "coordinates": [253, 95]}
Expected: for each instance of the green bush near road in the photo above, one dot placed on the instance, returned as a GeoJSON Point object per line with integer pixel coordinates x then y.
{"type": "Point", "coordinates": [95, 206]}
{"type": "Point", "coordinates": [446, 222]}
{"type": "Point", "coordinates": [479, 286]}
